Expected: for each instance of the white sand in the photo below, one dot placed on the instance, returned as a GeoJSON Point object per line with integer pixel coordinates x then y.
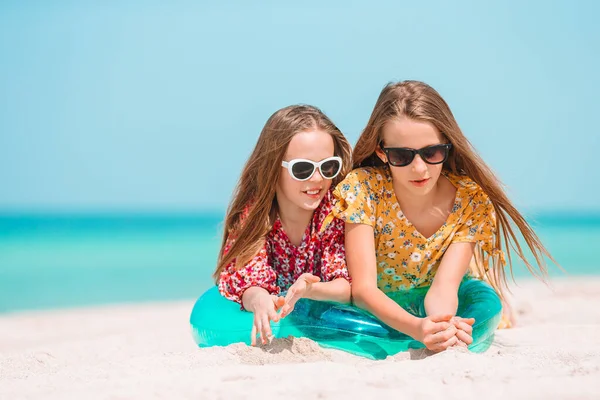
{"type": "Point", "coordinates": [146, 352]}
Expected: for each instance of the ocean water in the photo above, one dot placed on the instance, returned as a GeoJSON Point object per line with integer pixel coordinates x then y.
{"type": "Point", "coordinates": [63, 261]}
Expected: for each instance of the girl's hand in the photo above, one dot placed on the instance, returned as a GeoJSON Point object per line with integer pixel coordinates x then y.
{"type": "Point", "coordinates": [464, 328]}
{"type": "Point", "coordinates": [437, 332]}
{"type": "Point", "coordinates": [298, 290]}
{"type": "Point", "coordinates": [265, 309]}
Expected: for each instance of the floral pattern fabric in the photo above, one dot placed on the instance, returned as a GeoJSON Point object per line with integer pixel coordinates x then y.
{"type": "Point", "coordinates": [405, 258]}
{"type": "Point", "coordinates": [279, 263]}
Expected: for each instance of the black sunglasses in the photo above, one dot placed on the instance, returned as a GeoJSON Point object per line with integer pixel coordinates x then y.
{"type": "Point", "coordinates": [403, 156]}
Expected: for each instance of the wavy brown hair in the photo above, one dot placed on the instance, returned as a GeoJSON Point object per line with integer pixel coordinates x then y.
{"type": "Point", "coordinates": [419, 101]}
{"type": "Point", "coordinates": [256, 187]}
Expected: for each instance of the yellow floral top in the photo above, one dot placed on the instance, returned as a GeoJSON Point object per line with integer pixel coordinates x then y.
{"type": "Point", "coordinates": [405, 258]}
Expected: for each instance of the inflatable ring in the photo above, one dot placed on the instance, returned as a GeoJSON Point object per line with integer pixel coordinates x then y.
{"type": "Point", "coordinates": [216, 321]}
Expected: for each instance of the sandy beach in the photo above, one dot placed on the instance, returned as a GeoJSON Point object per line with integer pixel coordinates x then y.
{"type": "Point", "coordinates": [146, 351]}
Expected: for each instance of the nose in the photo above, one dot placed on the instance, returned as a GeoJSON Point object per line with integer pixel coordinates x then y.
{"type": "Point", "coordinates": [317, 177]}
{"type": "Point", "coordinates": [418, 165]}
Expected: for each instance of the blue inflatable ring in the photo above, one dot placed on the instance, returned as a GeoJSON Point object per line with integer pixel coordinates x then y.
{"type": "Point", "coordinates": [216, 321]}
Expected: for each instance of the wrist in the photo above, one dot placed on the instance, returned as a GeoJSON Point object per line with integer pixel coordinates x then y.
{"type": "Point", "coordinates": [251, 299]}
{"type": "Point", "coordinates": [414, 328]}
{"type": "Point", "coordinates": [309, 291]}
{"type": "Point", "coordinates": [309, 286]}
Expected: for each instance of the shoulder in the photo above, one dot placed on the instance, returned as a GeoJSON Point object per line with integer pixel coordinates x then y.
{"type": "Point", "coordinates": [471, 199]}
{"type": "Point", "coordinates": [467, 190]}
{"type": "Point", "coordinates": [366, 178]}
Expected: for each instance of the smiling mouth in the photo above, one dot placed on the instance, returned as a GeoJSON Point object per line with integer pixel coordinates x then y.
{"type": "Point", "coordinates": [312, 192]}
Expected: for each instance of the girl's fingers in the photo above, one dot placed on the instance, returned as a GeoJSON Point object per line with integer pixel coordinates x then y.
{"type": "Point", "coordinates": [265, 333]}
{"type": "Point", "coordinates": [290, 294]}
{"type": "Point", "coordinates": [464, 337]}
{"type": "Point", "coordinates": [273, 316]}
{"type": "Point", "coordinates": [465, 327]}
{"type": "Point", "coordinates": [287, 309]}
{"type": "Point", "coordinates": [439, 327]}
{"type": "Point", "coordinates": [441, 318]}
{"type": "Point", "coordinates": [448, 343]}
{"type": "Point", "coordinates": [258, 330]}
{"type": "Point", "coordinates": [253, 334]}
{"type": "Point", "coordinates": [443, 336]}
{"type": "Point", "coordinates": [284, 311]}
{"type": "Point", "coordinates": [290, 301]}
{"type": "Point", "coordinates": [278, 302]}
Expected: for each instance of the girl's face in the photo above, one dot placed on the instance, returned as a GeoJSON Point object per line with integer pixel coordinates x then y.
{"type": "Point", "coordinates": [314, 145]}
{"type": "Point", "coordinates": [417, 178]}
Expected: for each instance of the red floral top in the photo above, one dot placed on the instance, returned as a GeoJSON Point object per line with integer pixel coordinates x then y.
{"type": "Point", "coordinates": [279, 263]}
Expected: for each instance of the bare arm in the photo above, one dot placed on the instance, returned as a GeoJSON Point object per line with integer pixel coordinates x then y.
{"type": "Point", "coordinates": [264, 306]}
{"type": "Point", "coordinates": [336, 290]}
{"type": "Point", "coordinates": [308, 286]}
{"type": "Point", "coordinates": [434, 331]}
{"type": "Point", "coordinates": [361, 260]}
{"type": "Point", "coordinates": [442, 297]}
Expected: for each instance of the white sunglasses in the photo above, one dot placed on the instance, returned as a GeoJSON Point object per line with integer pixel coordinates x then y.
{"type": "Point", "coordinates": [302, 170]}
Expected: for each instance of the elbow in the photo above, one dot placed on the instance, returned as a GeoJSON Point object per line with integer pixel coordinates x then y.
{"type": "Point", "coordinates": [343, 291]}
{"type": "Point", "coordinates": [346, 295]}
{"type": "Point", "coordinates": [441, 301]}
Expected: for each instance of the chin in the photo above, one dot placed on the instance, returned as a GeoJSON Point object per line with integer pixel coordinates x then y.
{"type": "Point", "coordinates": [310, 205]}
{"type": "Point", "coordinates": [419, 191]}
{"type": "Point", "coordinates": [427, 190]}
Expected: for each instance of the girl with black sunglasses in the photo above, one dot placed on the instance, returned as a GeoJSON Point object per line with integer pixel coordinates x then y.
{"type": "Point", "coordinates": [423, 210]}
{"type": "Point", "coordinates": [275, 240]}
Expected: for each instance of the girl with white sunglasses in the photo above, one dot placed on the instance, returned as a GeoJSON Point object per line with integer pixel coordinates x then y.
{"type": "Point", "coordinates": [276, 248]}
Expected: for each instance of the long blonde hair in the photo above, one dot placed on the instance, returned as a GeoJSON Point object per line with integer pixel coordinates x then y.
{"type": "Point", "coordinates": [418, 101]}
{"type": "Point", "coordinates": [256, 187]}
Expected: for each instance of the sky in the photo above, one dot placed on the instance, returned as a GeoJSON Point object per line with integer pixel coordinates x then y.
{"type": "Point", "coordinates": [147, 106]}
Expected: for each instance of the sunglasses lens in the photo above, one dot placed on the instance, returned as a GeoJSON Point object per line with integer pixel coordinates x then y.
{"type": "Point", "coordinates": [400, 157]}
{"type": "Point", "coordinates": [330, 168]}
{"type": "Point", "coordinates": [302, 170]}
{"type": "Point", "coordinates": [435, 154]}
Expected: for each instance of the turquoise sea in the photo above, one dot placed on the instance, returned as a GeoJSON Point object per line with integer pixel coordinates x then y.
{"type": "Point", "coordinates": [57, 261]}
